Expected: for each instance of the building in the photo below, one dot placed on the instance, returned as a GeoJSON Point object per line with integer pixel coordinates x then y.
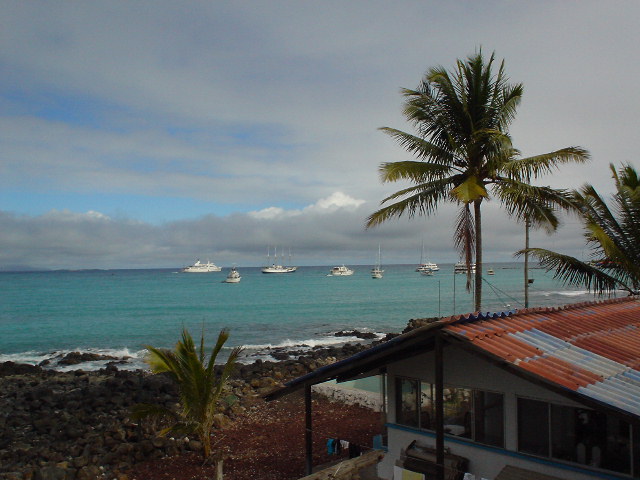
{"type": "Point", "coordinates": [549, 393]}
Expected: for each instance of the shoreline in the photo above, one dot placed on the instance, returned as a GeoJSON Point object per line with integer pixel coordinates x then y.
{"type": "Point", "coordinates": [99, 358]}
{"type": "Point", "coordinates": [76, 422]}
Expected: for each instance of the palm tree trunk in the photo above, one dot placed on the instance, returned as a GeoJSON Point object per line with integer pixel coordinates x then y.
{"type": "Point", "coordinates": [478, 276]}
{"type": "Point", "coordinates": [205, 439]}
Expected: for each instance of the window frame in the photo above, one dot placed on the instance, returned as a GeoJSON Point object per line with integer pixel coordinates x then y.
{"type": "Point", "coordinates": [472, 396]}
{"type": "Point", "coordinates": [634, 465]}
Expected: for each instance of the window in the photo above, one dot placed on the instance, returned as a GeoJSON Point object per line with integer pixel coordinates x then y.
{"type": "Point", "coordinates": [468, 413]}
{"type": "Point", "coordinates": [407, 402]}
{"type": "Point", "coordinates": [533, 427]}
{"type": "Point", "coordinates": [427, 407]}
{"type": "Point", "coordinates": [489, 418]}
{"type": "Point", "coordinates": [457, 411]}
{"type": "Point", "coordinates": [576, 435]}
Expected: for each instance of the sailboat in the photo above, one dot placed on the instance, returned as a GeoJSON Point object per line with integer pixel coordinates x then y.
{"type": "Point", "coordinates": [275, 267]}
{"type": "Point", "coordinates": [376, 272]}
{"type": "Point", "coordinates": [426, 267]}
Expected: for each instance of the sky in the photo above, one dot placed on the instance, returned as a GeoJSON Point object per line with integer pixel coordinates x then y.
{"type": "Point", "coordinates": [148, 134]}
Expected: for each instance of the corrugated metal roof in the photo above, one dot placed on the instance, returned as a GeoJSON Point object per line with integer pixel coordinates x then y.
{"type": "Point", "coordinates": [590, 348]}
{"type": "Point", "coordinates": [588, 351]}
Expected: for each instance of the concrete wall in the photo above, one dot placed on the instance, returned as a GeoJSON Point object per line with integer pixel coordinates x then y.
{"type": "Point", "coordinates": [464, 369]}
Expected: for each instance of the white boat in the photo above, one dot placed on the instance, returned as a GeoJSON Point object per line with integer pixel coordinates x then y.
{"type": "Point", "coordinates": [200, 267]}
{"type": "Point", "coordinates": [490, 272]}
{"type": "Point", "coordinates": [429, 266]}
{"type": "Point", "coordinates": [341, 271]}
{"type": "Point", "coordinates": [275, 267]}
{"type": "Point", "coordinates": [461, 267]}
{"type": "Point", "coordinates": [427, 272]}
{"type": "Point", "coordinates": [278, 269]}
{"type": "Point", "coordinates": [426, 265]}
{"type": "Point", "coordinates": [233, 276]}
{"type": "Point", "coordinates": [376, 272]}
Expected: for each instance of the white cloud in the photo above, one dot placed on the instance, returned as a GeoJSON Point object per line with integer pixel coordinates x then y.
{"type": "Point", "coordinates": [270, 213]}
{"type": "Point", "coordinates": [332, 203]}
{"type": "Point", "coordinates": [69, 216]}
{"type": "Point", "coordinates": [335, 201]}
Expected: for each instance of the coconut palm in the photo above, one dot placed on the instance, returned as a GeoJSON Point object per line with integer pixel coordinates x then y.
{"type": "Point", "coordinates": [465, 156]}
{"type": "Point", "coordinates": [613, 233]}
{"type": "Point", "coordinates": [200, 386]}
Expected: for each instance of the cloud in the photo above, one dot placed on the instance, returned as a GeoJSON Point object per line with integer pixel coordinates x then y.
{"type": "Point", "coordinates": [316, 235]}
{"type": "Point", "coordinates": [221, 129]}
{"type": "Point", "coordinates": [69, 216]}
{"type": "Point", "coordinates": [332, 203]}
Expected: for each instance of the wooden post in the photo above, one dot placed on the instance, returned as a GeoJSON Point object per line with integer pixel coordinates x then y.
{"type": "Point", "coordinates": [439, 377]}
{"type": "Point", "coordinates": [308, 438]}
{"type": "Point", "coordinates": [219, 469]}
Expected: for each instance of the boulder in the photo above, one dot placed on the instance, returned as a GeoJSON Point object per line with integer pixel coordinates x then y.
{"type": "Point", "coordinates": [74, 358]}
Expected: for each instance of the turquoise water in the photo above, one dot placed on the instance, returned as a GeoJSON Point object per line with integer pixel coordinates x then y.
{"type": "Point", "coordinates": [43, 314]}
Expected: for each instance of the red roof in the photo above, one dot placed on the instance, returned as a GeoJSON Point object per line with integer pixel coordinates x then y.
{"type": "Point", "coordinates": [591, 348]}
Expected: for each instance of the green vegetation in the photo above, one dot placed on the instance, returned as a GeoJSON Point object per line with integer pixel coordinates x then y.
{"type": "Point", "coordinates": [613, 234]}
{"type": "Point", "coordinates": [465, 156]}
{"type": "Point", "coordinates": [200, 386]}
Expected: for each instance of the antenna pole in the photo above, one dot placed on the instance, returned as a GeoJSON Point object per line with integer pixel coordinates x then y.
{"type": "Point", "coordinates": [527, 224]}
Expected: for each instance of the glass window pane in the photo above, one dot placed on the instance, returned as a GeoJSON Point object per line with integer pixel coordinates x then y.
{"type": "Point", "coordinates": [590, 438]}
{"type": "Point", "coordinates": [489, 418]}
{"type": "Point", "coordinates": [616, 454]}
{"type": "Point", "coordinates": [457, 411]}
{"type": "Point", "coordinates": [565, 444]}
{"type": "Point", "coordinates": [533, 427]}
{"type": "Point", "coordinates": [407, 402]}
{"type": "Point", "coordinates": [427, 407]}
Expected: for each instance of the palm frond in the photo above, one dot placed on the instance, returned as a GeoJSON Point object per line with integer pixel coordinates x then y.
{"type": "Point", "coordinates": [575, 272]}
{"type": "Point", "coordinates": [535, 166]}
{"type": "Point", "coordinates": [536, 204]}
{"type": "Point", "coordinates": [419, 200]}
{"type": "Point", "coordinates": [417, 172]}
{"type": "Point", "coordinates": [420, 147]}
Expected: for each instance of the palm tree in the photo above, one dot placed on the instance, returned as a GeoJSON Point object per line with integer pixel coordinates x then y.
{"type": "Point", "coordinates": [613, 234]}
{"type": "Point", "coordinates": [465, 154]}
{"type": "Point", "coordinates": [200, 386]}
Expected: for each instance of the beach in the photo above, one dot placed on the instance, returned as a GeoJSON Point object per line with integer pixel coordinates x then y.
{"type": "Point", "coordinates": [77, 425]}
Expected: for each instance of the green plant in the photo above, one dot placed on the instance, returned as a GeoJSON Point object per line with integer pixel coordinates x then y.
{"type": "Point", "coordinates": [613, 233]}
{"type": "Point", "coordinates": [199, 383]}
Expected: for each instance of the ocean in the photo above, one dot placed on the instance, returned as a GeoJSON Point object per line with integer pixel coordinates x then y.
{"type": "Point", "coordinates": [44, 315]}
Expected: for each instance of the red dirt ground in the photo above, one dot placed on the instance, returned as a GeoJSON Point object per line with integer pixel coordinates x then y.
{"type": "Point", "coordinates": [267, 442]}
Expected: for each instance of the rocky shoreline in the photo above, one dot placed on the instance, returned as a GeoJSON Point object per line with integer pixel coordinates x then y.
{"type": "Point", "coordinates": [76, 424]}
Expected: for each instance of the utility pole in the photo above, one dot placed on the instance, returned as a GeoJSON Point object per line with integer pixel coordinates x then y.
{"type": "Point", "coordinates": [527, 224]}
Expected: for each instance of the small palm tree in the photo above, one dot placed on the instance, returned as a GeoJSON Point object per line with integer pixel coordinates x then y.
{"type": "Point", "coordinates": [200, 386]}
{"type": "Point", "coordinates": [465, 156]}
{"type": "Point", "coordinates": [613, 234]}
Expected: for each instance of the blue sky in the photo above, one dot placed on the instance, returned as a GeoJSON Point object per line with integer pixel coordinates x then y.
{"type": "Point", "coordinates": [159, 132]}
